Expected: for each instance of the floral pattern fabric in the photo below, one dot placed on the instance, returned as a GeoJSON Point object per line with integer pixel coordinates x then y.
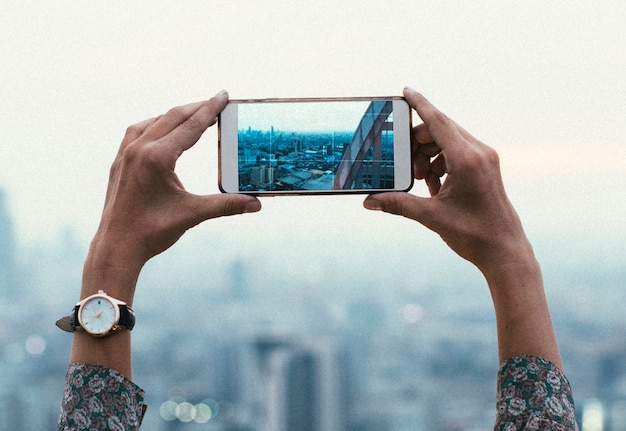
{"type": "Point", "coordinates": [533, 395]}
{"type": "Point", "coordinates": [99, 398]}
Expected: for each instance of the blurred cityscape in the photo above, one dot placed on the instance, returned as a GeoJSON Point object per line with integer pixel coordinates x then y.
{"type": "Point", "coordinates": [303, 161]}
{"type": "Point", "coordinates": [227, 347]}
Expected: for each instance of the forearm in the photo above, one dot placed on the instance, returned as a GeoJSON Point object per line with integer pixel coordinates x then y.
{"type": "Point", "coordinates": [523, 319]}
{"type": "Point", "coordinates": [107, 268]}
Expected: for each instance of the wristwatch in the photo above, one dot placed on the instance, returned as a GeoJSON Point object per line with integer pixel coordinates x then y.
{"type": "Point", "coordinates": [99, 315]}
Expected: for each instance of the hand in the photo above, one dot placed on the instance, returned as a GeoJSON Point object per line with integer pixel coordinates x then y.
{"type": "Point", "coordinates": [146, 203]}
{"type": "Point", "coordinates": [470, 210]}
{"type": "Point", "coordinates": [473, 215]}
{"type": "Point", "coordinates": [146, 210]}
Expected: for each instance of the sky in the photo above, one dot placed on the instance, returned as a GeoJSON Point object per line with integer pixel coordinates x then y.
{"type": "Point", "coordinates": [542, 82]}
{"type": "Point", "coordinates": [295, 116]}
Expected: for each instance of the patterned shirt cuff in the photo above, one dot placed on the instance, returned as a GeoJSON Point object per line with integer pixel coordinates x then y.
{"type": "Point", "coordinates": [100, 398]}
{"type": "Point", "coordinates": [534, 394]}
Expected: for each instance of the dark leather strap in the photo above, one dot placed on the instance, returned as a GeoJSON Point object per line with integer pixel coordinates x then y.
{"type": "Point", "coordinates": [127, 317]}
{"type": "Point", "coordinates": [70, 323]}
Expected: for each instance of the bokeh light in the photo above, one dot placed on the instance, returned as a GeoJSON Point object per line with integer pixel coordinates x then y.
{"type": "Point", "coordinates": [35, 345]}
{"type": "Point", "coordinates": [185, 412]}
{"type": "Point", "coordinates": [177, 408]}
{"type": "Point", "coordinates": [412, 313]}
{"type": "Point", "coordinates": [168, 410]}
{"type": "Point", "coordinates": [593, 416]}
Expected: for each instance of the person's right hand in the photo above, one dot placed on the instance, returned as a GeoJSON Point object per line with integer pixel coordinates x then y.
{"type": "Point", "coordinates": [470, 210]}
{"type": "Point", "coordinates": [473, 215]}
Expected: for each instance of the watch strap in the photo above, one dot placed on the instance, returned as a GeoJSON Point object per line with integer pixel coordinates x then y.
{"type": "Point", "coordinates": [70, 323]}
{"type": "Point", "coordinates": [127, 317]}
{"type": "Point", "coordinates": [65, 324]}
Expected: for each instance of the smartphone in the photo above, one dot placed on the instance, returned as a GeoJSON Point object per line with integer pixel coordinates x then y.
{"type": "Point", "coordinates": [315, 146]}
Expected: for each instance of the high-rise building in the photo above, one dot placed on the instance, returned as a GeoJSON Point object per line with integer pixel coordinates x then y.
{"type": "Point", "coordinates": [298, 146]}
{"type": "Point", "coordinates": [262, 176]}
{"type": "Point", "coordinates": [238, 281]}
{"type": "Point", "coordinates": [8, 276]}
{"type": "Point", "coordinates": [293, 391]}
{"type": "Point", "coordinates": [301, 384]}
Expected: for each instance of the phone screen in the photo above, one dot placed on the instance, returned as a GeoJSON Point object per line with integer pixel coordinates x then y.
{"type": "Point", "coordinates": [315, 146]}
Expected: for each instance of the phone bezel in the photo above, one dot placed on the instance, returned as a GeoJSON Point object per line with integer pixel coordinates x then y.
{"type": "Point", "coordinates": [228, 163]}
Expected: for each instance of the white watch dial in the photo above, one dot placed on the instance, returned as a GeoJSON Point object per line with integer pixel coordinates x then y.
{"type": "Point", "coordinates": [98, 315]}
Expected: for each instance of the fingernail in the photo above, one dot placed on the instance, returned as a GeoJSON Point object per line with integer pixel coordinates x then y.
{"type": "Point", "coordinates": [252, 206]}
{"type": "Point", "coordinates": [407, 88]}
{"type": "Point", "coordinates": [371, 203]}
{"type": "Point", "coordinates": [222, 93]}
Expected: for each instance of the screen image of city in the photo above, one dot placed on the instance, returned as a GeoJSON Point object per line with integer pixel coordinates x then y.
{"type": "Point", "coordinates": [315, 146]}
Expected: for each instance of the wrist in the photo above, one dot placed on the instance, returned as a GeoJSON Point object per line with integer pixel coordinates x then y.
{"type": "Point", "coordinates": [522, 313]}
{"type": "Point", "coordinates": [515, 281]}
{"type": "Point", "coordinates": [510, 259]}
{"type": "Point", "coordinates": [110, 266]}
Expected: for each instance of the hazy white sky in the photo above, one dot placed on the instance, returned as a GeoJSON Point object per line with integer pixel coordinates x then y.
{"type": "Point", "coordinates": [543, 82]}
{"type": "Point", "coordinates": [295, 116]}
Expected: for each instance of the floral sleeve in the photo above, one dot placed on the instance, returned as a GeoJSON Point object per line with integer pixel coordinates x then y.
{"type": "Point", "coordinates": [99, 398]}
{"type": "Point", "coordinates": [533, 395]}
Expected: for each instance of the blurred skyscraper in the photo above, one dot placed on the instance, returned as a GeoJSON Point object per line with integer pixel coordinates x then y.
{"type": "Point", "coordinates": [238, 281]}
{"type": "Point", "coordinates": [302, 384]}
{"type": "Point", "coordinates": [8, 276]}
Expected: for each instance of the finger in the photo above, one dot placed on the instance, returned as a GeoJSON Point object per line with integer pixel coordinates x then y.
{"type": "Point", "coordinates": [207, 207]}
{"type": "Point", "coordinates": [135, 131]}
{"type": "Point", "coordinates": [443, 130]}
{"type": "Point", "coordinates": [422, 153]}
{"type": "Point", "coordinates": [438, 166]}
{"type": "Point", "coordinates": [430, 149]}
{"type": "Point", "coordinates": [189, 131]}
{"type": "Point", "coordinates": [433, 182]}
{"type": "Point", "coordinates": [437, 169]}
{"type": "Point", "coordinates": [421, 165]}
{"type": "Point", "coordinates": [180, 115]}
{"type": "Point", "coordinates": [173, 118]}
{"type": "Point", "coordinates": [404, 204]}
{"type": "Point", "coordinates": [421, 134]}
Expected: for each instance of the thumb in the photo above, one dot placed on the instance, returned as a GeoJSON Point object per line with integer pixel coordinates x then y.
{"type": "Point", "coordinates": [404, 204]}
{"type": "Point", "coordinates": [219, 205]}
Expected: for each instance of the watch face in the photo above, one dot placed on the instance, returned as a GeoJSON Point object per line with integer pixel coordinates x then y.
{"type": "Point", "coordinates": [98, 315]}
